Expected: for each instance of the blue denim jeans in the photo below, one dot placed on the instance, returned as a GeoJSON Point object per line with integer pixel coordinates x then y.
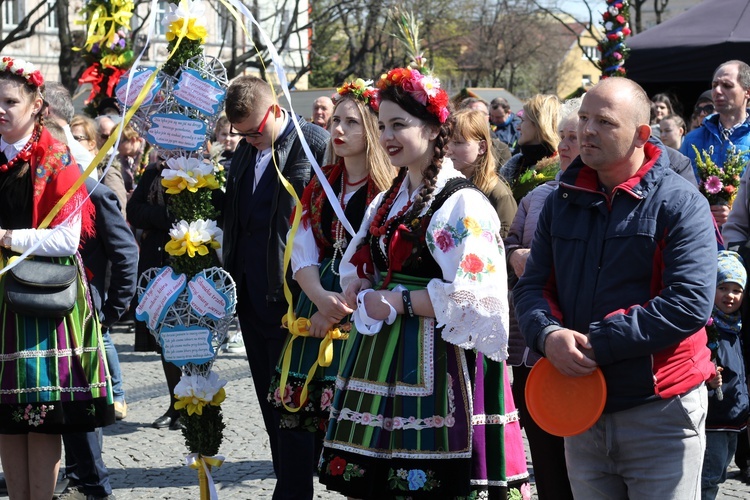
{"type": "Point", "coordinates": [720, 448]}
{"type": "Point", "coordinates": [113, 361]}
{"type": "Point", "coordinates": [83, 463]}
{"type": "Point", "coordinates": [653, 451]}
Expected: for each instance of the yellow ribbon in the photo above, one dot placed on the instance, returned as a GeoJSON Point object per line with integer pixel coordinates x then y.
{"type": "Point", "coordinates": [300, 327]}
{"type": "Point", "coordinates": [203, 465]}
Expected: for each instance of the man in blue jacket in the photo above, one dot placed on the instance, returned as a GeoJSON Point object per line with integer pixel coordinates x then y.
{"type": "Point", "coordinates": [729, 126]}
{"type": "Point", "coordinates": [621, 277]}
{"type": "Point", "coordinates": [256, 221]}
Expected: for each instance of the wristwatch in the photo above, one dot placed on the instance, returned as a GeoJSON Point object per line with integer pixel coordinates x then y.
{"type": "Point", "coordinates": [7, 238]}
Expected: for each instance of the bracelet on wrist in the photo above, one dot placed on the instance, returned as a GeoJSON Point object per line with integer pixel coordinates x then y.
{"type": "Point", "coordinates": [408, 307]}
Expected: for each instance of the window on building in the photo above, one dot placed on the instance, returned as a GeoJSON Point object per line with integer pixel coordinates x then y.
{"type": "Point", "coordinates": [223, 18]}
{"type": "Point", "coordinates": [12, 12]}
{"type": "Point", "coordinates": [586, 81]}
{"type": "Point", "coordinates": [162, 7]}
{"type": "Point", "coordinates": [52, 17]}
{"type": "Point", "coordinates": [590, 52]}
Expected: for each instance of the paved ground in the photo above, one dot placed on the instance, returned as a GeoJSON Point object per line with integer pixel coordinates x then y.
{"type": "Point", "coordinates": [147, 463]}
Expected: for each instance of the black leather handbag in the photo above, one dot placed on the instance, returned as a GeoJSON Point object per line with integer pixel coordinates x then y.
{"type": "Point", "coordinates": [42, 289]}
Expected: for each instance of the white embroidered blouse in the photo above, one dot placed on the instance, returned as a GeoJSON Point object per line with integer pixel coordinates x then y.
{"type": "Point", "coordinates": [470, 299]}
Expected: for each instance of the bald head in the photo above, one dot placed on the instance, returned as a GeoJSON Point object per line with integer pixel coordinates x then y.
{"type": "Point", "coordinates": [631, 93]}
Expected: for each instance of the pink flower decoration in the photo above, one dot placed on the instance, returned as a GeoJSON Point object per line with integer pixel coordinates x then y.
{"type": "Point", "coordinates": [713, 184]}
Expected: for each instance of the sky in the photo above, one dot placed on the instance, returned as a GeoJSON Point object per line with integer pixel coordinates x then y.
{"type": "Point", "coordinates": [577, 8]}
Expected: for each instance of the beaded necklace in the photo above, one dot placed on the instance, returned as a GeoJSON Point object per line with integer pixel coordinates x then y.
{"type": "Point", "coordinates": [25, 154]}
{"type": "Point", "coordinates": [377, 227]}
{"type": "Point", "coordinates": [339, 243]}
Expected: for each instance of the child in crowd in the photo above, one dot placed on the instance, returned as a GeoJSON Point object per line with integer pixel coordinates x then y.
{"type": "Point", "coordinates": [728, 396]}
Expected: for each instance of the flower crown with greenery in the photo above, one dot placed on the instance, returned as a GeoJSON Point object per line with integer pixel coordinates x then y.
{"type": "Point", "coordinates": [416, 80]}
{"type": "Point", "coordinates": [424, 89]}
{"type": "Point", "coordinates": [359, 89]}
{"type": "Point", "coordinates": [25, 69]}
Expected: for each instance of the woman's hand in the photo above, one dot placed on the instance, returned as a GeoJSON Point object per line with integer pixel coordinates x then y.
{"type": "Point", "coordinates": [720, 213]}
{"type": "Point", "coordinates": [376, 308]}
{"type": "Point", "coordinates": [332, 306]}
{"type": "Point", "coordinates": [351, 292]}
{"type": "Point", "coordinates": [319, 325]}
{"type": "Point", "coordinates": [518, 260]}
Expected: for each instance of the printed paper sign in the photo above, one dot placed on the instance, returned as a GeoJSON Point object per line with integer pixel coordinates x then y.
{"type": "Point", "coordinates": [138, 80]}
{"type": "Point", "coordinates": [186, 344]}
{"type": "Point", "coordinates": [197, 92]}
{"type": "Point", "coordinates": [160, 293]}
{"type": "Point", "coordinates": [205, 299]}
{"type": "Point", "coordinates": [174, 131]}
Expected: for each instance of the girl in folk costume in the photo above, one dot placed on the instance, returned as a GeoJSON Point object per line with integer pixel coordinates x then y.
{"type": "Point", "coordinates": [359, 171]}
{"type": "Point", "coordinates": [53, 377]}
{"type": "Point", "coordinates": [422, 407]}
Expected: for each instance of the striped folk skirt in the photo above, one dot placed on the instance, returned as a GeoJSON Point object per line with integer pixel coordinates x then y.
{"type": "Point", "coordinates": [53, 373]}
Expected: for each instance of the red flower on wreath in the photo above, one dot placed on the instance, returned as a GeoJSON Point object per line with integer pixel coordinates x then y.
{"type": "Point", "coordinates": [472, 264]}
{"type": "Point", "coordinates": [337, 466]}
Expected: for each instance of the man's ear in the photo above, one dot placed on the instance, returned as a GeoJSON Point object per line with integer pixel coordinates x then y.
{"type": "Point", "coordinates": [642, 133]}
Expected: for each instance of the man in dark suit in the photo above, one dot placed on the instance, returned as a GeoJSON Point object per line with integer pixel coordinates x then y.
{"type": "Point", "coordinates": [256, 222]}
{"type": "Point", "coordinates": [113, 245]}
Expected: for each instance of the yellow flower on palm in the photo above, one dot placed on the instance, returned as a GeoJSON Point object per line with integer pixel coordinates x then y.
{"type": "Point", "coordinates": [193, 238]}
{"type": "Point", "coordinates": [193, 392]}
{"type": "Point", "coordinates": [472, 226]}
{"type": "Point", "coordinates": [187, 15]}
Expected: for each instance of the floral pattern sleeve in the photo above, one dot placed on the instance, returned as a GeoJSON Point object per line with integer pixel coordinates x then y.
{"type": "Point", "coordinates": [471, 301]}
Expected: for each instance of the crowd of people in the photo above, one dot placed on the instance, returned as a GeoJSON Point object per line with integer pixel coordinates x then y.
{"type": "Point", "coordinates": [462, 241]}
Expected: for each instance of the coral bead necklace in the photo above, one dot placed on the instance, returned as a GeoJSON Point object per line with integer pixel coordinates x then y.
{"type": "Point", "coordinates": [377, 227]}
{"type": "Point", "coordinates": [25, 154]}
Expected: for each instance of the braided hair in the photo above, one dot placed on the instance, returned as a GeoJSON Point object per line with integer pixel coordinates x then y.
{"type": "Point", "coordinates": [406, 102]}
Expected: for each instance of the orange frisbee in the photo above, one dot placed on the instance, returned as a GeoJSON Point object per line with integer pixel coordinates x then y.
{"type": "Point", "coordinates": [562, 405]}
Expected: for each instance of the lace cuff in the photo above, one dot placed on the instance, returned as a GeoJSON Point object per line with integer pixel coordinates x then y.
{"type": "Point", "coordinates": [364, 323]}
{"type": "Point", "coordinates": [472, 317]}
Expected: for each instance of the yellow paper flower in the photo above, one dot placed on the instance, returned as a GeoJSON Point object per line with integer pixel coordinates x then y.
{"type": "Point", "coordinates": [472, 226]}
{"type": "Point", "coordinates": [188, 173]}
{"type": "Point", "coordinates": [188, 15]}
{"type": "Point", "coordinates": [193, 238]}
{"type": "Point", "coordinates": [193, 392]}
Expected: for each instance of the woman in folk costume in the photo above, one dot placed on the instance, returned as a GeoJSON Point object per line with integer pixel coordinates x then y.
{"type": "Point", "coordinates": [423, 407]}
{"type": "Point", "coordinates": [359, 171]}
{"type": "Point", "coordinates": [53, 377]}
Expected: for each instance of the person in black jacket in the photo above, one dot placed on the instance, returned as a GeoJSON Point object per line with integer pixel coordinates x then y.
{"type": "Point", "coordinates": [113, 245]}
{"type": "Point", "coordinates": [148, 213]}
{"type": "Point", "coordinates": [256, 222]}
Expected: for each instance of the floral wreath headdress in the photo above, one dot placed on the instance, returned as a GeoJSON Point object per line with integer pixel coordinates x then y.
{"type": "Point", "coordinates": [416, 79]}
{"type": "Point", "coordinates": [361, 90]}
{"type": "Point", "coordinates": [25, 69]}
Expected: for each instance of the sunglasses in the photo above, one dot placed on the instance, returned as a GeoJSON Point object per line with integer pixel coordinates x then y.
{"type": "Point", "coordinates": [708, 109]}
{"type": "Point", "coordinates": [81, 138]}
{"type": "Point", "coordinates": [259, 132]}
{"type": "Point", "coordinates": [104, 137]}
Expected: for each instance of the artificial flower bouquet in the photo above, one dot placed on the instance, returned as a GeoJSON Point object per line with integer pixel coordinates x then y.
{"type": "Point", "coordinates": [545, 170]}
{"type": "Point", "coordinates": [719, 184]}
